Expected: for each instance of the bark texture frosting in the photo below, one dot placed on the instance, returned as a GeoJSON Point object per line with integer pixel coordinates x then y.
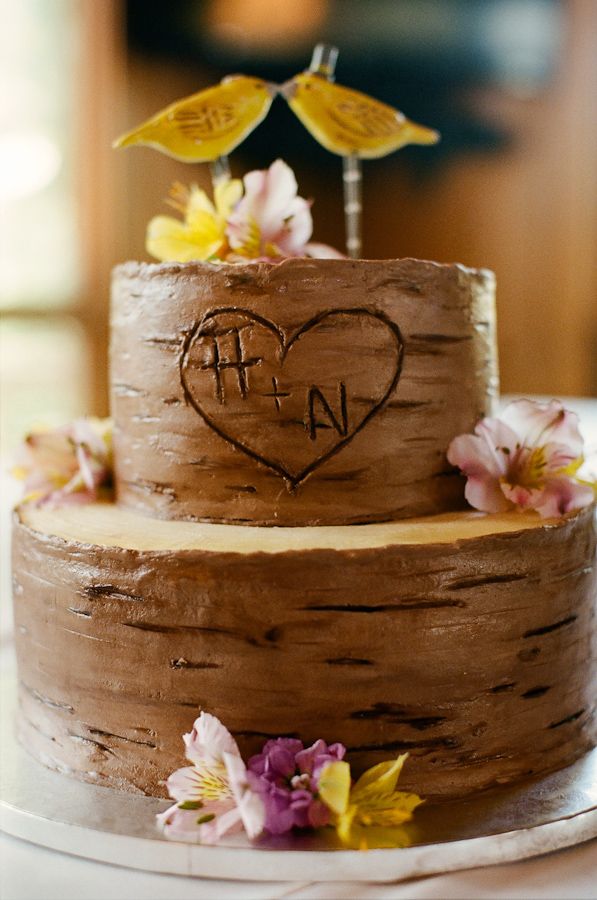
{"type": "Point", "coordinates": [304, 392]}
{"type": "Point", "coordinates": [473, 655]}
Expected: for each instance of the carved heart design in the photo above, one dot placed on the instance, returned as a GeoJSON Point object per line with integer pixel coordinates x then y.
{"type": "Point", "coordinates": [290, 402]}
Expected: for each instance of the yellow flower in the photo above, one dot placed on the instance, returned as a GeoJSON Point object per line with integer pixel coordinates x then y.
{"type": "Point", "coordinates": [372, 812]}
{"type": "Point", "coordinates": [201, 235]}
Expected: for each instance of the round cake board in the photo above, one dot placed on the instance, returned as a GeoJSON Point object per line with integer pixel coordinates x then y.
{"type": "Point", "coordinates": [98, 823]}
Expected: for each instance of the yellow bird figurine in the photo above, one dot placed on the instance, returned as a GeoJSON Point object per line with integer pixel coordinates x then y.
{"type": "Point", "coordinates": [207, 125]}
{"type": "Point", "coordinates": [348, 122]}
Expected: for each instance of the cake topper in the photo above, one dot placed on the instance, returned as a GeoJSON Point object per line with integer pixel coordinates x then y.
{"type": "Point", "coordinates": [352, 125]}
{"type": "Point", "coordinates": [209, 125]}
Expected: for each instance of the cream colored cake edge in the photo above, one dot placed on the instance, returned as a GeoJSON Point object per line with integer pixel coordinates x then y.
{"type": "Point", "coordinates": [105, 524]}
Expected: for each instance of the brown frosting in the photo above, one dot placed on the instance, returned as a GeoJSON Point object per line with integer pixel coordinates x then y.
{"type": "Point", "coordinates": [473, 655]}
{"type": "Point", "coordinates": [304, 392]}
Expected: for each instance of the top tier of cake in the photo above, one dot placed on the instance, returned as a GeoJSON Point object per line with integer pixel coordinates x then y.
{"type": "Point", "coordinates": [303, 392]}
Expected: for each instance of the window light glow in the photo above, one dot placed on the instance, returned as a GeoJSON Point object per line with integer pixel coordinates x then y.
{"type": "Point", "coordinates": [29, 161]}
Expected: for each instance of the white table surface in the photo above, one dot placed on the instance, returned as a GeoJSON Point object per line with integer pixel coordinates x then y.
{"type": "Point", "coordinates": [34, 873]}
{"type": "Point", "coordinates": [29, 872]}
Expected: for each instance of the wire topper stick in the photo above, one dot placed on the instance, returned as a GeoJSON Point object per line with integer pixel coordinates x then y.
{"type": "Point", "coordinates": [352, 125]}
{"type": "Point", "coordinates": [323, 61]}
{"type": "Point", "coordinates": [352, 179]}
{"type": "Point", "coordinates": [219, 169]}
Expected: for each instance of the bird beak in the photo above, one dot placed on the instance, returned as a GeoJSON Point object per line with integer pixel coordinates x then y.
{"type": "Point", "coordinates": [288, 89]}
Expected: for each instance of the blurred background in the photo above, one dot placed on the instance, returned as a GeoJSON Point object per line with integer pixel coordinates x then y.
{"type": "Point", "coordinates": [511, 85]}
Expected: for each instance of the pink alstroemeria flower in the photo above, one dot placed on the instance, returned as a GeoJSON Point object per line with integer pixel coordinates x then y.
{"type": "Point", "coordinates": [271, 221]}
{"type": "Point", "coordinates": [528, 458]}
{"type": "Point", "coordinates": [67, 464]}
{"type": "Point", "coordinates": [213, 795]}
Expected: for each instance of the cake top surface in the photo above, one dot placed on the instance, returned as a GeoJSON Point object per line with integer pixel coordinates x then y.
{"type": "Point", "coordinates": [106, 525]}
{"type": "Point", "coordinates": [135, 268]}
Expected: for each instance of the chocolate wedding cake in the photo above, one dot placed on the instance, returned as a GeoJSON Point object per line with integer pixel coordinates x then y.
{"type": "Point", "coordinates": [289, 548]}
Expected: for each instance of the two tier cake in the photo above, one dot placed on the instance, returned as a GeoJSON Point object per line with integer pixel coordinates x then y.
{"type": "Point", "coordinates": [288, 552]}
{"type": "Point", "coordinates": [289, 548]}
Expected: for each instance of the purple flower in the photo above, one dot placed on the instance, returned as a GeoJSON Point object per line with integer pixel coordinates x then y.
{"type": "Point", "coordinates": [286, 775]}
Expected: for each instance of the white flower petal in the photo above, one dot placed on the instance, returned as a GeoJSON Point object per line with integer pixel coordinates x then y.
{"type": "Point", "coordinates": [209, 740]}
{"type": "Point", "coordinates": [538, 423]}
{"type": "Point", "coordinates": [274, 204]}
{"type": "Point", "coordinates": [485, 494]}
{"type": "Point", "coordinates": [250, 805]}
{"type": "Point", "coordinates": [185, 784]}
{"type": "Point", "coordinates": [322, 251]}
{"type": "Point", "coordinates": [563, 495]}
{"type": "Point", "coordinates": [296, 229]}
{"type": "Point", "coordinates": [477, 457]}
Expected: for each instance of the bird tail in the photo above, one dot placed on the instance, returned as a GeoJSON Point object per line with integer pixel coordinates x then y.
{"type": "Point", "coordinates": [131, 137]}
{"type": "Point", "coordinates": [419, 134]}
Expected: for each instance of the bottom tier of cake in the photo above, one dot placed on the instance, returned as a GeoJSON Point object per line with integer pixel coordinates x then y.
{"type": "Point", "coordinates": [464, 639]}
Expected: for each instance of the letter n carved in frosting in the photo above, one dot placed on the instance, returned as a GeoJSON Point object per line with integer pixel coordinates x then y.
{"type": "Point", "coordinates": [290, 401]}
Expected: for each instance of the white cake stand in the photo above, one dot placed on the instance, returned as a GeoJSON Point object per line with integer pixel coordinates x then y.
{"type": "Point", "coordinates": [86, 820]}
